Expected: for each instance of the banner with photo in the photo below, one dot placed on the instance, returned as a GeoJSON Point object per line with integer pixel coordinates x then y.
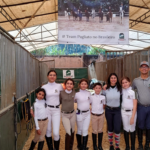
{"type": "Point", "coordinates": [93, 22]}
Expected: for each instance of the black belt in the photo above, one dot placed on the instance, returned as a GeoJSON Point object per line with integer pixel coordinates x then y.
{"type": "Point", "coordinates": [53, 106]}
{"type": "Point", "coordinates": [42, 119]}
{"type": "Point", "coordinates": [127, 110]}
{"type": "Point", "coordinates": [112, 108]}
{"type": "Point", "coordinates": [82, 111]}
{"type": "Point", "coordinates": [70, 112]}
{"type": "Point", "coordinates": [144, 105]}
{"type": "Point", "coordinates": [97, 114]}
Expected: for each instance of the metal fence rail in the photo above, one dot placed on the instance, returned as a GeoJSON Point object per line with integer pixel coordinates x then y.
{"type": "Point", "coordinates": [20, 73]}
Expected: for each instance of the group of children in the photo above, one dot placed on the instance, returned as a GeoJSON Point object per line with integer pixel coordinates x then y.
{"type": "Point", "coordinates": [119, 104]}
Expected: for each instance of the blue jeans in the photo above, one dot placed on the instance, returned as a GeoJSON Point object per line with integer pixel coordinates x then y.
{"type": "Point", "coordinates": [143, 117]}
{"type": "Point", "coordinates": [113, 118]}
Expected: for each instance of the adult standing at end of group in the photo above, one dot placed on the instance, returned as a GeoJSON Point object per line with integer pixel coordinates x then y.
{"type": "Point", "coordinates": [68, 113]}
{"type": "Point", "coordinates": [113, 95]}
{"type": "Point", "coordinates": [83, 114]}
{"type": "Point", "coordinates": [142, 87]}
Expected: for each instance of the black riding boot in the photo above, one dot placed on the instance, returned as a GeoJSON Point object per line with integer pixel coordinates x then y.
{"type": "Point", "coordinates": [140, 138]}
{"type": "Point", "coordinates": [72, 141]}
{"type": "Point", "coordinates": [85, 139]}
{"type": "Point", "coordinates": [132, 136]}
{"type": "Point", "coordinates": [79, 142]}
{"type": "Point", "coordinates": [40, 145]}
{"type": "Point", "coordinates": [32, 145]}
{"type": "Point", "coordinates": [147, 140]}
{"type": "Point", "coordinates": [111, 147]}
{"type": "Point", "coordinates": [49, 142]}
{"type": "Point", "coordinates": [100, 137]}
{"type": "Point", "coordinates": [94, 137]}
{"type": "Point", "coordinates": [126, 138]}
{"type": "Point", "coordinates": [56, 144]}
{"type": "Point", "coordinates": [67, 142]}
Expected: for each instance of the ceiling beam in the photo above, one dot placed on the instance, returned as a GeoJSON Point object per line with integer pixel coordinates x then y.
{"type": "Point", "coordinates": [140, 19]}
{"type": "Point", "coordinates": [26, 3]}
{"type": "Point", "coordinates": [139, 6]}
{"type": "Point", "coordinates": [29, 17]}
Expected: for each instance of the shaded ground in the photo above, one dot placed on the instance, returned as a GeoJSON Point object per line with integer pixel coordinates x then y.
{"type": "Point", "coordinates": [93, 25]}
{"type": "Point", "coordinates": [90, 143]}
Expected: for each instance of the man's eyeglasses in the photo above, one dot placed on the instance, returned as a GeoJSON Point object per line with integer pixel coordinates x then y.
{"type": "Point", "coordinates": [144, 67]}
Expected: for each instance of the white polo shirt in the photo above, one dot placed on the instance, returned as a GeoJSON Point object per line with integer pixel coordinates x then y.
{"type": "Point", "coordinates": [83, 100]}
{"type": "Point", "coordinates": [39, 111]}
{"type": "Point", "coordinates": [97, 102]}
{"type": "Point", "coordinates": [52, 93]}
{"type": "Point", "coordinates": [127, 98]}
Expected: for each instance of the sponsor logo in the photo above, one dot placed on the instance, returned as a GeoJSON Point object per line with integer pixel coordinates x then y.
{"type": "Point", "coordinates": [68, 74]}
{"type": "Point", "coordinates": [121, 36]}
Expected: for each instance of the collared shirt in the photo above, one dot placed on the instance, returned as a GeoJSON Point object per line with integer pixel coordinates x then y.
{"type": "Point", "coordinates": [142, 89]}
{"type": "Point", "coordinates": [83, 100]}
{"type": "Point", "coordinates": [97, 102]}
{"type": "Point", "coordinates": [52, 93]}
{"type": "Point", "coordinates": [128, 97]}
{"type": "Point", "coordinates": [112, 97]}
{"type": "Point", "coordinates": [39, 111]}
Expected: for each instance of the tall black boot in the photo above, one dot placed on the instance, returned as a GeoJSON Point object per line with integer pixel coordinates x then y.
{"type": "Point", "coordinates": [132, 136]}
{"type": "Point", "coordinates": [56, 144]}
{"type": "Point", "coordinates": [79, 142]}
{"type": "Point", "coordinates": [140, 138]}
{"type": "Point", "coordinates": [67, 141]}
{"type": "Point", "coordinates": [32, 145]}
{"type": "Point", "coordinates": [100, 137]}
{"type": "Point", "coordinates": [72, 141]}
{"type": "Point", "coordinates": [49, 142]}
{"type": "Point", "coordinates": [85, 139]}
{"type": "Point", "coordinates": [126, 138]}
{"type": "Point", "coordinates": [40, 145]}
{"type": "Point", "coordinates": [94, 137]}
{"type": "Point", "coordinates": [147, 140]}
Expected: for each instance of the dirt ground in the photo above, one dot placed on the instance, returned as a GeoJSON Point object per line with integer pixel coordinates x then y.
{"type": "Point", "coordinates": [105, 142]}
{"type": "Point", "coordinates": [64, 24]}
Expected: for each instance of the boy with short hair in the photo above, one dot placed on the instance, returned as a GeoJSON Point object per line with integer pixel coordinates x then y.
{"type": "Point", "coordinates": [98, 103]}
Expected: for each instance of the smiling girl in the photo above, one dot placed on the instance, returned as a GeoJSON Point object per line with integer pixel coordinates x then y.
{"type": "Point", "coordinates": [83, 114]}
{"type": "Point", "coordinates": [67, 112]}
{"type": "Point", "coordinates": [128, 111]}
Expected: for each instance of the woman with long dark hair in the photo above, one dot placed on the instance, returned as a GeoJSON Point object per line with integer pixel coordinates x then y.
{"type": "Point", "coordinates": [113, 95]}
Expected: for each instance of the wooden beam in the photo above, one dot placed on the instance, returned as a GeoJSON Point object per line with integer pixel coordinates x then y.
{"type": "Point", "coordinates": [26, 3]}
{"type": "Point", "coordinates": [31, 17]}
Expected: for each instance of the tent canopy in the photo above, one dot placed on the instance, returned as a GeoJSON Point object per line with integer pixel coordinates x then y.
{"type": "Point", "coordinates": [33, 23]}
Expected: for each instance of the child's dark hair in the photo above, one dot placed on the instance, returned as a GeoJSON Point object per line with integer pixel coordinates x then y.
{"type": "Point", "coordinates": [83, 80]}
{"type": "Point", "coordinates": [69, 79]}
{"type": "Point", "coordinates": [51, 71]}
{"type": "Point", "coordinates": [117, 84]}
{"type": "Point", "coordinates": [125, 78]}
{"type": "Point", "coordinates": [41, 90]}
{"type": "Point", "coordinates": [97, 84]}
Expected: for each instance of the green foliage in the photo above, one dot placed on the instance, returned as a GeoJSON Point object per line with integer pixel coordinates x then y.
{"type": "Point", "coordinates": [68, 50]}
{"type": "Point", "coordinates": [96, 51]}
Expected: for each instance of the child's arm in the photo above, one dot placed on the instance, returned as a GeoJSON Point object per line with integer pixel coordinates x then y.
{"type": "Point", "coordinates": [36, 120]}
{"type": "Point", "coordinates": [134, 111]}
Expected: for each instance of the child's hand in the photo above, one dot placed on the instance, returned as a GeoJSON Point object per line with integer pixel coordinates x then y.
{"type": "Point", "coordinates": [31, 112]}
{"type": "Point", "coordinates": [104, 87]}
{"type": "Point", "coordinates": [132, 120]}
{"type": "Point", "coordinates": [38, 132]}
